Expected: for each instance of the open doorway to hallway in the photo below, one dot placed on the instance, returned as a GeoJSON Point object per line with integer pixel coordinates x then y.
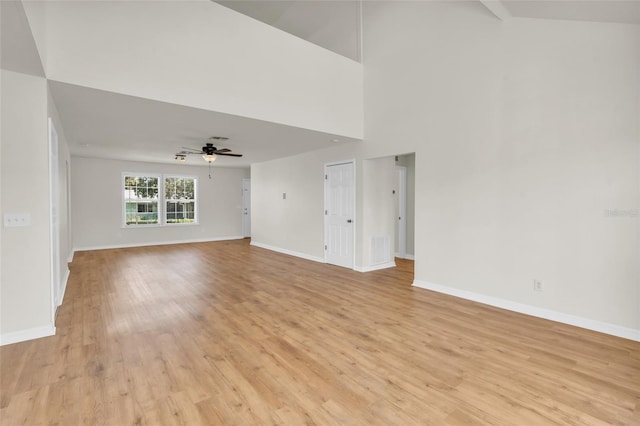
{"type": "Point", "coordinates": [405, 206]}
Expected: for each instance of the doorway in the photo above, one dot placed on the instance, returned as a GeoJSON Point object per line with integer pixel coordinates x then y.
{"type": "Point", "coordinates": [339, 213]}
{"type": "Point", "coordinates": [405, 206]}
{"type": "Point", "coordinates": [246, 208]}
{"type": "Point", "coordinates": [401, 211]}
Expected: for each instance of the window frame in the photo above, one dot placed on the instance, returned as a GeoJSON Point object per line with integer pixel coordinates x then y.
{"type": "Point", "coordinates": [161, 200]}
{"type": "Point", "coordinates": [195, 200]}
{"type": "Point", "coordinates": [123, 192]}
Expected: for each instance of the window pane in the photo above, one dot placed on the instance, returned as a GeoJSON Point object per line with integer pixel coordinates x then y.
{"type": "Point", "coordinates": [140, 213]}
{"type": "Point", "coordinates": [180, 200]}
{"type": "Point", "coordinates": [180, 212]}
{"type": "Point", "coordinates": [141, 200]}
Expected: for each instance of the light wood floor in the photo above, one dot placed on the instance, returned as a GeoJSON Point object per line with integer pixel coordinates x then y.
{"type": "Point", "coordinates": [226, 333]}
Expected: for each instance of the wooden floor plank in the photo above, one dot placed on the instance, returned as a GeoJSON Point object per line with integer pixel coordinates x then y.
{"type": "Point", "coordinates": [225, 333]}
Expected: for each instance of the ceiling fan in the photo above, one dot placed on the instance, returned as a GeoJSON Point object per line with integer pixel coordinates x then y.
{"type": "Point", "coordinates": [209, 152]}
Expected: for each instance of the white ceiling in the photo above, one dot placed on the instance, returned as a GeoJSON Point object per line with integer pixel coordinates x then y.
{"type": "Point", "coordinates": [18, 48]}
{"type": "Point", "coordinates": [620, 11]}
{"type": "Point", "coordinates": [334, 25]}
{"type": "Point", "coordinates": [109, 125]}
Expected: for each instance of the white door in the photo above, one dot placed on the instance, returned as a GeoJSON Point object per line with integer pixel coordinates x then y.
{"type": "Point", "coordinates": [339, 202]}
{"type": "Point", "coordinates": [246, 207]}
{"type": "Point", "coordinates": [401, 230]}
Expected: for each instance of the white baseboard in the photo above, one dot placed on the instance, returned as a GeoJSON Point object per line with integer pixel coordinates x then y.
{"type": "Point", "coordinates": [70, 257]}
{"type": "Point", "coordinates": [405, 256]}
{"type": "Point", "coordinates": [64, 287]}
{"type": "Point", "coordinates": [589, 324]}
{"type": "Point", "coordinates": [157, 243]}
{"type": "Point", "coordinates": [289, 252]}
{"type": "Point", "coordinates": [320, 259]}
{"type": "Point", "coordinates": [29, 334]}
{"type": "Point", "coordinates": [375, 267]}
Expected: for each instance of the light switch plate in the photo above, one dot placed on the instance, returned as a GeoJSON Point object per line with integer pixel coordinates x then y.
{"type": "Point", "coordinates": [12, 220]}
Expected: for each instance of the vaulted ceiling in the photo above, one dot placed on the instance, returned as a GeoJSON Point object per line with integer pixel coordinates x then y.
{"type": "Point", "coordinates": [106, 124]}
{"type": "Point", "coordinates": [335, 25]}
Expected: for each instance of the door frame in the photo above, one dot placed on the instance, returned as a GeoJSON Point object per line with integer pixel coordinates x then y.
{"type": "Point", "coordinates": [246, 229]}
{"type": "Point", "coordinates": [54, 218]}
{"type": "Point", "coordinates": [325, 217]}
{"type": "Point", "coordinates": [68, 205]}
{"type": "Point", "coordinates": [401, 229]}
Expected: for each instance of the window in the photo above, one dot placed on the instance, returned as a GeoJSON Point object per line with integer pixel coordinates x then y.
{"type": "Point", "coordinates": [159, 200]}
{"type": "Point", "coordinates": [180, 199]}
{"type": "Point", "coordinates": [141, 200]}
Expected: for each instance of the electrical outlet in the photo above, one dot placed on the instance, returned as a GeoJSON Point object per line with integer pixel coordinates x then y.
{"type": "Point", "coordinates": [537, 285]}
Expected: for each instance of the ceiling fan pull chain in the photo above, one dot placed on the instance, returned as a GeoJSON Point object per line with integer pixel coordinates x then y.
{"type": "Point", "coordinates": [209, 170]}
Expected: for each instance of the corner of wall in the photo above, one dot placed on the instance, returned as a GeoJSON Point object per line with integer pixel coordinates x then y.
{"type": "Point", "coordinates": [24, 335]}
{"type": "Point", "coordinates": [589, 324]}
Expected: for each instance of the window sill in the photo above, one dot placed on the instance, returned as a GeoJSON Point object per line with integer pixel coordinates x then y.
{"type": "Point", "coordinates": [159, 225]}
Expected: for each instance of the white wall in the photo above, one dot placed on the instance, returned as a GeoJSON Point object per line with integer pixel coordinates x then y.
{"type": "Point", "coordinates": [156, 50]}
{"type": "Point", "coordinates": [573, 139]}
{"type": "Point", "coordinates": [35, 12]}
{"type": "Point", "coordinates": [17, 49]}
{"type": "Point", "coordinates": [96, 193]}
{"type": "Point", "coordinates": [297, 222]}
{"type": "Point", "coordinates": [526, 135]}
{"type": "Point", "coordinates": [378, 212]}
{"type": "Point", "coordinates": [25, 285]}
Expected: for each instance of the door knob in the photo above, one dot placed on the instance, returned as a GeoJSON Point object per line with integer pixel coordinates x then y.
{"type": "Point", "coordinates": [348, 220]}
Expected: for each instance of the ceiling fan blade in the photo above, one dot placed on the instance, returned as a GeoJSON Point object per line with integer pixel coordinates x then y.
{"type": "Point", "coordinates": [192, 150]}
{"type": "Point", "coordinates": [228, 154]}
{"type": "Point", "coordinates": [222, 150]}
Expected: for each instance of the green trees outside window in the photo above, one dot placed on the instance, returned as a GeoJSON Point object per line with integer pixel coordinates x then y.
{"type": "Point", "coordinates": [180, 199]}
{"type": "Point", "coordinates": [141, 200]}
{"type": "Point", "coordinates": [154, 200]}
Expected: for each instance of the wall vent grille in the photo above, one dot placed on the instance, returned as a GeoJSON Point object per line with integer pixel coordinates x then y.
{"type": "Point", "coordinates": [380, 250]}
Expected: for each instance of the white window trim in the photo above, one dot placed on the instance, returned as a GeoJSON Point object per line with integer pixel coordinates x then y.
{"type": "Point", "coordinates": [196, 216]}
{"type": "Point", "coordinates": [162, 218]}
{"type": "Point", "coordinates": [123, 203]}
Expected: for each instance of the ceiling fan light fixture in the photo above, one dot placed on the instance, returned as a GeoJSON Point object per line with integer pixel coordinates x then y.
{"type": "Point", "coordinates": [209, 158]}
